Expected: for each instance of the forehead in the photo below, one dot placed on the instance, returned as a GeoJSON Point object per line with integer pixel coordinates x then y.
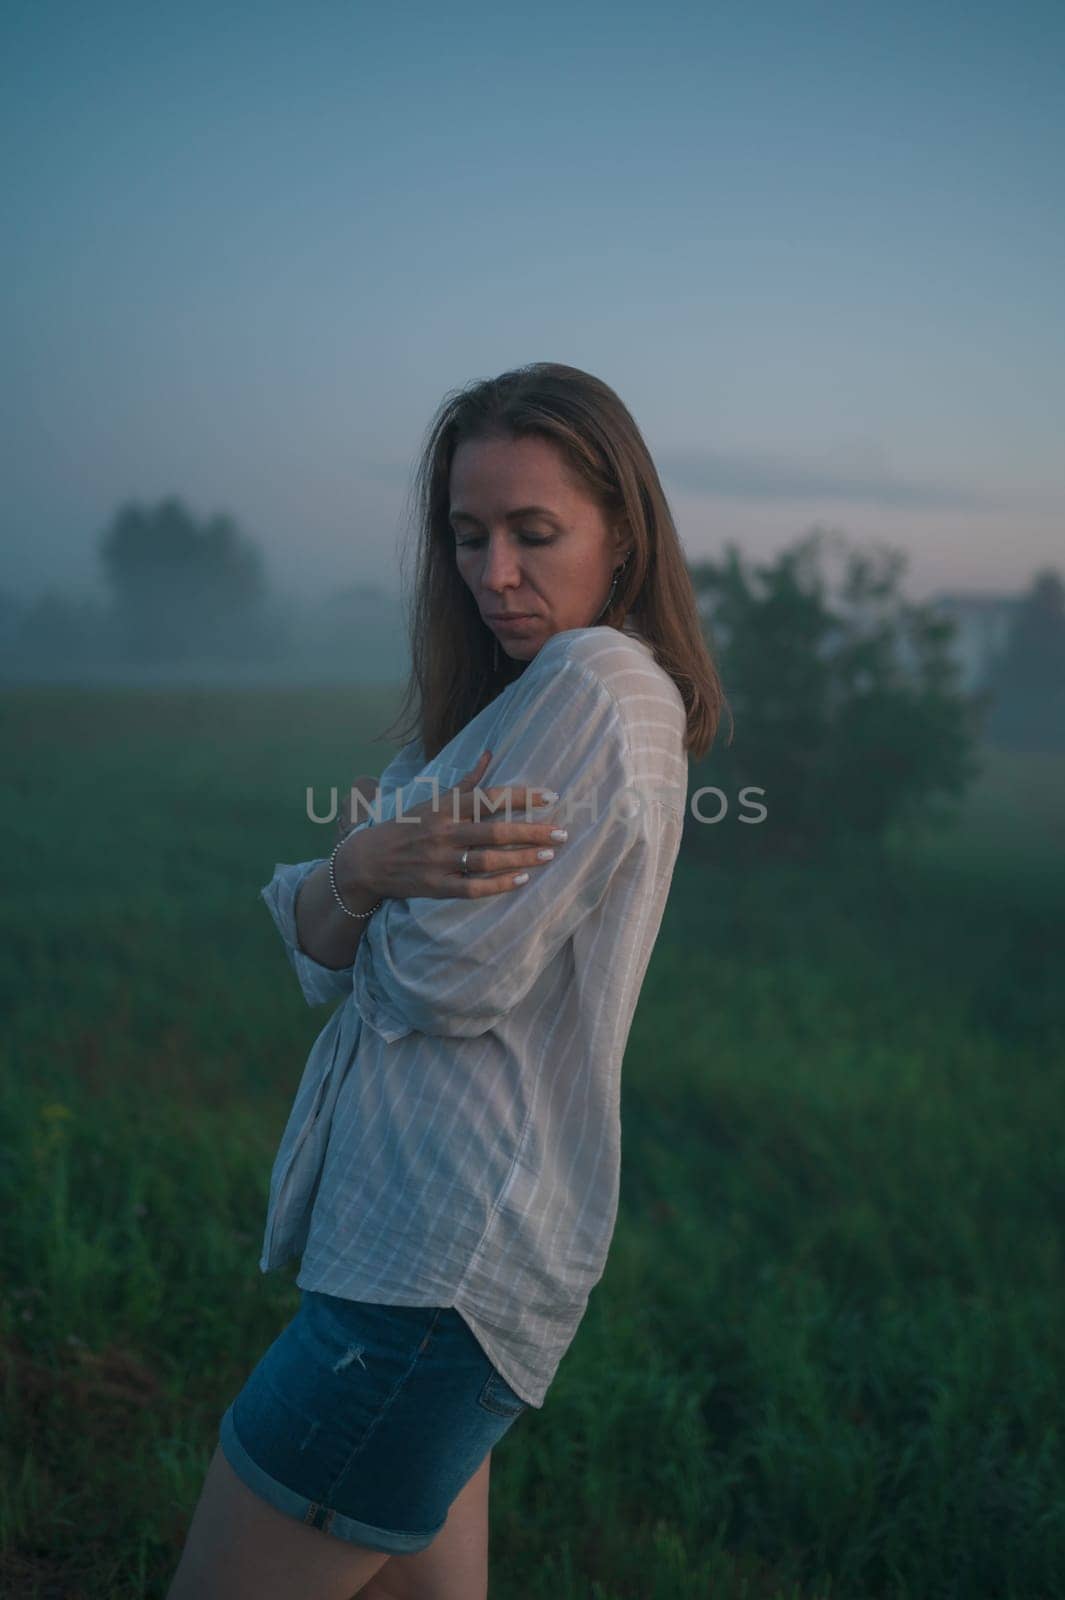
{"type": "Point", "coordinates": [491, 474]}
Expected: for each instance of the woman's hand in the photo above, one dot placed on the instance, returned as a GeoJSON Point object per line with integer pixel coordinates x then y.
{"type": "Point", "coordinates": [399, 860]}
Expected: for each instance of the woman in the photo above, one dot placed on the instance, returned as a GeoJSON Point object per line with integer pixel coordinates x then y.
{"type": "Point", "coordinates": [449, 1173]}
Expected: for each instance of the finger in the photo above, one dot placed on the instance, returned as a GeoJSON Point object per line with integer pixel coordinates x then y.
{"type": "Point", "coordinates": [484, 863]}
{"type": "Point", "coordinates": [466, 832]}
{"type": "Point", "coordinates": [492, 802]}
{"type": "Point", "coordinates": [475, 888]}
{"type": "Point", "coordinates": [475, 771]}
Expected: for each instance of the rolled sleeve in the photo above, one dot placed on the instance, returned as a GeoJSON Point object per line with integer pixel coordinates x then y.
{"type": "Point", "coordinates": [320, 984]}
{"type": "Point", "coordinates": [456, 966]}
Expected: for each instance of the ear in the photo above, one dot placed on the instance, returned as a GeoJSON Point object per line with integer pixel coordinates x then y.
{"type": "Point", "coordinates": [623, 544]}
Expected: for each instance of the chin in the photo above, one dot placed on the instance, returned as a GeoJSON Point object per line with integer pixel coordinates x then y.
{"type": "Point", "coordinates": [521, 650]}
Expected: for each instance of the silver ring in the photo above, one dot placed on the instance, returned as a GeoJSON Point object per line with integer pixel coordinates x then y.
{"type": "Point", "coordinates": [462, 864]}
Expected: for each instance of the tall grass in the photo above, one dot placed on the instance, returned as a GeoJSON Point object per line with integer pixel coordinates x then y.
{"type": "Point", "coordinates": [825, 1358]}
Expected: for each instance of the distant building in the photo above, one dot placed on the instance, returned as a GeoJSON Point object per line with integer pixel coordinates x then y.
{"type": "Point", "coordinates": [983, 622]}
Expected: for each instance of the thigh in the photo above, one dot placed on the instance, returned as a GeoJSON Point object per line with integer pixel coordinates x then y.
{"type": "Point", "coordinates": [455, 1566]}
{"type": "Point", "coordinates": [240, 1547]}
{"type": "Point", "coordinates": [370, 1423]}
{"type": "Point", "coordinates": [368, 1420]}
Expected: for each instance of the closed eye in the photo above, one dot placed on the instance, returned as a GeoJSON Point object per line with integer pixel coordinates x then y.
{"type": "Point", "coordinates": [527, 538]}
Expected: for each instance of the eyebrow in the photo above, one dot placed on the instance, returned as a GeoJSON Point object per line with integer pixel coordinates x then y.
{"type": "Point", "coordinates": [511, 516]}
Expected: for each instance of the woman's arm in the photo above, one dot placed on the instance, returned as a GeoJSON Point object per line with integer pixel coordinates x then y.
{"type": "Point", "coordinates": [325, 933]}
{"type": "Point", "coordinates": [455, 967]}
{"type": "Point", "coordinates": [314, 926]}
{"type": "Point", "coordinates": [319, 983]}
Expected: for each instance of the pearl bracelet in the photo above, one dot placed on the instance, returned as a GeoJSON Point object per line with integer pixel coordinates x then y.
{"type": "Point", "coordinates": [359, 915]}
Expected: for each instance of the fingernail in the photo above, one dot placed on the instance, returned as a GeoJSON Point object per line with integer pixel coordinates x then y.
{"type": "Point", "coordinates": [547, 796]}
{"type": "Point", "coordinates": [522, 877]}
{"type": "Point", "coordinates": [545, 855]}
{"type": "Point", "coordinates": [560, 833]}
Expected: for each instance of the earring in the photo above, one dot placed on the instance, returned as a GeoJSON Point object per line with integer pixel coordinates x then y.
{"type": "Point", "coordinates": [608, 602]}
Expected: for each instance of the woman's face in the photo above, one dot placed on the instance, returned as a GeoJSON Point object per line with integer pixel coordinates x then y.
{"type": "Point", "coordinates": [551, 567]}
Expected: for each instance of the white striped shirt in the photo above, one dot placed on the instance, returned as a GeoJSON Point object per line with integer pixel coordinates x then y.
{"type": "Point", "coordinates": [456, 1139]}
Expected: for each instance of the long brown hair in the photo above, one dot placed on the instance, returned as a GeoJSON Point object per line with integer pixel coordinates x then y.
{"type": "Point", "coordinates": [453, 673]}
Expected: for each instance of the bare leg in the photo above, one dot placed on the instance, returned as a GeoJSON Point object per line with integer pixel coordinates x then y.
{"type": "Point", "coordinates": [455, 1565]}
{"type": "Point", "coordinates": [239, 1547]}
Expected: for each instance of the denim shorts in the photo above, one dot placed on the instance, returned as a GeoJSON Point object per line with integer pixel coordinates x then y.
{"type": "Point", "coordinates": [367, 1420]}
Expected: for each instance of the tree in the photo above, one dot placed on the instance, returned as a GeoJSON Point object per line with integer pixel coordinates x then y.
{"type": "Point", "coordinates": [1028, 681]}
{"type": "Point", "coordinates": [182, 589]}
{"type": "Point", "coordinates": [846, 707]}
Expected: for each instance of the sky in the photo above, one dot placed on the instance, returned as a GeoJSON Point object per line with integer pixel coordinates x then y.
{"type": "Point", "coordinates": [817, 249]}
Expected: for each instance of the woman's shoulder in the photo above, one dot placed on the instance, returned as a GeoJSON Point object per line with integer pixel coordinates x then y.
{"type": "Point", "coordinates": [619, 664]}
{"type": "Point", "coordinates": [623, 662]}
{"type": "Point", "coordinates": [618, 658]}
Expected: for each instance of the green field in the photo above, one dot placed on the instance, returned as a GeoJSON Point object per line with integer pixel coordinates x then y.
{"type": "Point", "coordinates": [826, 1358]}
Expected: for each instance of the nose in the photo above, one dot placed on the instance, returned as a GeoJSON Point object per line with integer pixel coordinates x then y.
{"type": "Point", "coordinates": [501, 566]}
